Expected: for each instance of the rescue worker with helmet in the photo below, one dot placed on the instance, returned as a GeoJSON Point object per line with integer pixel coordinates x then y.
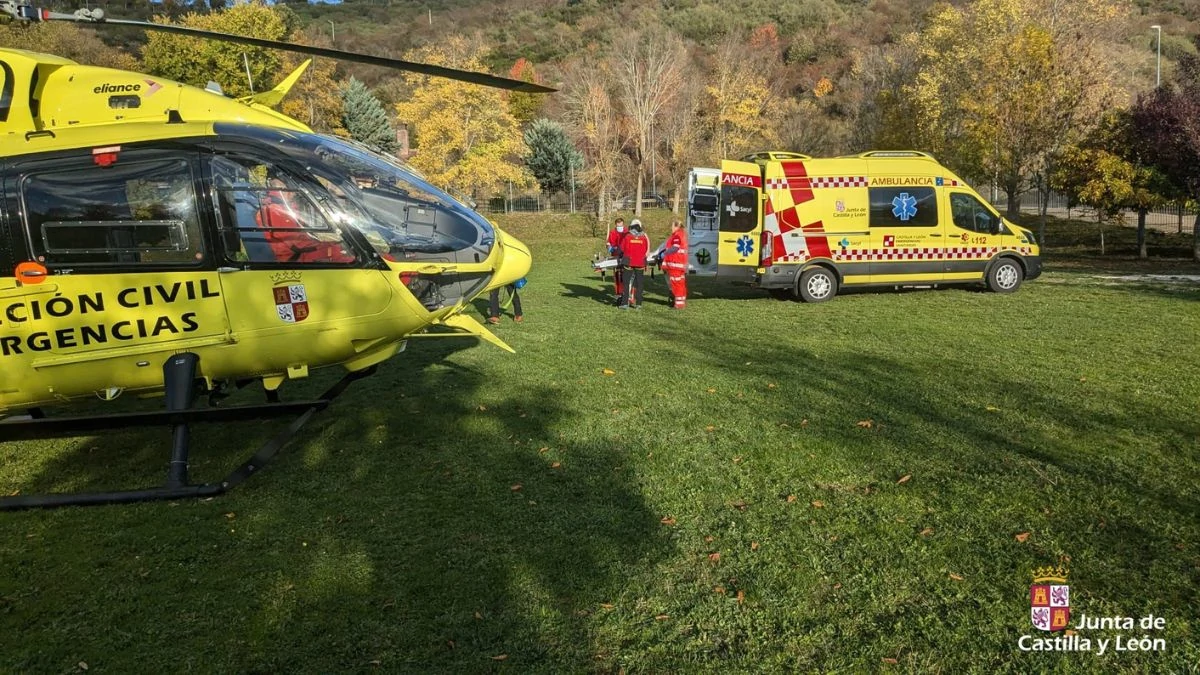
{"type": "Point", "coordinates": [675, 263]}
{"type": "Point", "coordinates": [635, 246]}
{"type": "Point", "coordinates": [615, 236]}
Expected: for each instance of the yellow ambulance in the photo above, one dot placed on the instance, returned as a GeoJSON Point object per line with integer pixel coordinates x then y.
{"type": "Point", "coordinates": [796, 225]}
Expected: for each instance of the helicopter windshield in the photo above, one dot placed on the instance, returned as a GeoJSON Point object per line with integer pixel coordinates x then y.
{"type": "Point", "coordinates": [400, 213]}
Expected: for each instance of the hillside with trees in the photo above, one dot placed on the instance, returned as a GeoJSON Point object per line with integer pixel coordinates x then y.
{"type": "Point", "coordinates": [1008, 92]}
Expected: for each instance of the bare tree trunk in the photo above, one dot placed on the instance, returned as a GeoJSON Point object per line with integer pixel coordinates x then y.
{"type": "Point", "coordinates": [1100, 224]}
{"type": "Point", "coordinates": [637, 196]}
{"type": "Point", "coordinates": [1014, 199]}
{"type": "Point", "coordinates": [1196, 238]}
{"type": "Point", "coordinates": [1141, 234]}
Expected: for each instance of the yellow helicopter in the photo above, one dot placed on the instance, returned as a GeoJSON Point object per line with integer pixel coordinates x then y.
{"type": "Point", "coordinates": [160, 238]}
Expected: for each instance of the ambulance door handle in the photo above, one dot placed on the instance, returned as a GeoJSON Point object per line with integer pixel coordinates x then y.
{"type": "Point", "coordinates": [935, 235]}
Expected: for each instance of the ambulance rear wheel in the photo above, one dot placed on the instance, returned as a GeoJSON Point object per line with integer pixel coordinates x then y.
{"type": "Point", "coordinates": [817, 284]}
{"type": "Point", "coordinates": [1005, 276]}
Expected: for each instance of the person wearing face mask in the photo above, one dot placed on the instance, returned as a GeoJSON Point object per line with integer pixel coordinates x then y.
{"type": "Point", "coordinates": [615, 236]}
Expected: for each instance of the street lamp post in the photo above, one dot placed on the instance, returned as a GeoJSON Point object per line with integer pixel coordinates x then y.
{"type": "Point", "coordinates": [332, 32]}
{"type": "Point", "coordinates": [1158, 57]}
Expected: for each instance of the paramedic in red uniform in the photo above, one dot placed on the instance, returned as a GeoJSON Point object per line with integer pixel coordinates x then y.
{"type": "Point", "coordinates": [291, 243]}
{"type": "Point", "coordinates": [675, 262]}
{"type": "Point", "coordinates": [615, 236]}
{"type": "Point", "coordinates": [634, 248]}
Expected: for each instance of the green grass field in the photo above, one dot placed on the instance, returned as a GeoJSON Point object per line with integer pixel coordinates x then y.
{"type": "Point", "coordinates": [758, 486]}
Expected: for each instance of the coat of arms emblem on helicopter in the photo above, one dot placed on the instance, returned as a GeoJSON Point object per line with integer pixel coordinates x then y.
{"type": "Point", "coordinates": [291, 301]}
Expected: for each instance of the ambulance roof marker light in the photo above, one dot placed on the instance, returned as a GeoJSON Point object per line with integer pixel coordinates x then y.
{"type": "Point", "coordinates": [896, 153]}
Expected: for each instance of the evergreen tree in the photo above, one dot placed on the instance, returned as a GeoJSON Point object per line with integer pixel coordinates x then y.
{"type": "Point", "coordinates": [365, 117]}
{"type": "Point", "coordinates": [551, 155]}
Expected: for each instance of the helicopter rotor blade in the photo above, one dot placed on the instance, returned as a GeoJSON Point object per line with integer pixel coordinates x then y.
{"type": "Point", "coordinates": [96, 17]}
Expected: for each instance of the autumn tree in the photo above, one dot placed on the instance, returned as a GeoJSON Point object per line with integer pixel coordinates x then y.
{"type": "Point", "coordinates": [467, 137]}
{"type": "Point", "coordinates": [316, 99]}
{"type": "Point", "coordinates": [552, 159]}
{"type": "Point", "coordinates": [67, 41]}
{"type": "Point", "coordinates": [1002, 84]}
{"type": "Point", "coordinates": [1166, 124]}
{"type": "Point", "coordinates": [196, 61]}
{"type": "Point", "coordinates": [649, 70]}
{"type": "Point", "coordinates": [364, 118]}
{"type": "Point", "coordinates": [740, 112]}
{"type": "Point", "coordinates": [523, 106]}
{"type": "Point", "coordinates": [593, 119]}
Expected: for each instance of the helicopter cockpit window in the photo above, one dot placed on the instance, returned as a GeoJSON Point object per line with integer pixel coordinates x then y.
{"type": "Point", "coordinates": [267, 216]}
{"type": "Point", "coordinates": [135, 212]}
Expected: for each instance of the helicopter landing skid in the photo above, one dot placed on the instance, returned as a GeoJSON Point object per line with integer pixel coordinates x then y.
{"type": "Point", "coordinates": [179, 372]}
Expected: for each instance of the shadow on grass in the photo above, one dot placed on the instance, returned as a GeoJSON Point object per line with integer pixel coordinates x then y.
{"type": "Point", "coordinates": [408, 527]}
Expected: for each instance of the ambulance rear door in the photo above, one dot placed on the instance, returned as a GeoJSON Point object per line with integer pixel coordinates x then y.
{"type": "Point", "coordinates": [740, 229]}
{"type": "Point", "coordinates": [702, 219]}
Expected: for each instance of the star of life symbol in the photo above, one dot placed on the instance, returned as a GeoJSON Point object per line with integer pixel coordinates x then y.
{"type": "Point", "coordinates": [1050, 603]}
{"type": "Point", "coordinates": [291, 303]}
{"type": "Point", "coordinates": [745, 245]}
{"type": "Point", "coordinates": [904, 206]}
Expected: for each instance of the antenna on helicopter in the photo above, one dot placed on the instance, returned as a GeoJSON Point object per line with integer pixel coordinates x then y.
{"type": "Point", "coordinates": [24, 12]}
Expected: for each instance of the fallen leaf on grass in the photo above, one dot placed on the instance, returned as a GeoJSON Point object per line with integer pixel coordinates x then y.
{"type": "Point", "coordinates": [500, 657]}
{"type": "Point", "coordinates": [543, 450]}
{"type": "Point", "coordinates": [556, 465]}
{"type": "Point", "coordinates": [754, 546]}
{"type": "Point", "coordinates": [818, 504]}
{"type": "Point", "coordinates": [992, 408]}
{"type": "Point", "coordinates": [926, 532]}
{"type": "Point", "coordinates": [516, 488]}
{"type": "Point", "coordinates": [710, 428]}
{"type": "Point", "coordinates": [771, 385]}
{"type": "Point", "coordinates": [737, 460]}
{"type": "Point", "coordinates": [662, 617]}
{"type": "Point", "coordinates": [482, 408]}
{"type": "Point", "coordinates": [451, 644]}
{"type": "Point", "coordinates": [711, 390]}
{"type": "Point", "coordinates": [956, 577]}
{"type": "Point", "coordinates": [606, 605]}
{"type": "Point", "coordinates": [608, 371]}
{"type": "Point", "coordinates": [714, 557]}
{"type": "Point", "coordinates": [864, 424]}
{"type": "Point", "coordinates": [83, 665]}
{"type": "Point", "coordinates": [708, 539]}
{"type": "Point", "coordinates": [1021, 537]}
{"type": "Point", "coordinates": [719, 590]}
{"type": "Point", "coordinates": [739, 505]}
{"type": "Point", "coordinates": [904, 479]}
{"type": "Point", "coordinates": [837, 586]}
{"type": "Point", "coordinates": [667, 520]}
{"type": "Point", "coordinates": [791, 498]}
{"type": "Point", "coordinates": [478, 616]}
{"type": "Point", "coordinates": [741, 596]}
{"type": "Point", "coordinates": [1083, 379]}
{"type": "Point", "coordinates": [890, 660]}
{"type": "Point", "coordinates": [231, 515]}
{"type": "Point", "coordinates": [804, 423]}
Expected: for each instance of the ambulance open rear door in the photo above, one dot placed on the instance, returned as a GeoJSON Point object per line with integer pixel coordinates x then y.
{"type": "Point", "coordinates": [740, 225]}
{"type": "Point", "coordinates": [702, 220]}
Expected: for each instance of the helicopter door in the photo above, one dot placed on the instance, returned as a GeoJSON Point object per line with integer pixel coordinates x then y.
{"type": "Point", "coordinates": [287, 270]}
{"type": "Point", "coordinates": [129, 271]}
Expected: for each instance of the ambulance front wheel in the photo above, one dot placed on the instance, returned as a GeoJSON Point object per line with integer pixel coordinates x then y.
{"type": "Point", "coordinates": [1005, 276]}
{"type": "Point", "coordinates": [817, 284]}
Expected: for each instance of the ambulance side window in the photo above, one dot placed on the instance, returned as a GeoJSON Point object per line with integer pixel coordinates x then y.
{"type": "Point", "coordinates": [970, 214]}
{"type": "Point", "coordinates": [739, 209]}
{"type": "Point", "coordinates": [904, 207]}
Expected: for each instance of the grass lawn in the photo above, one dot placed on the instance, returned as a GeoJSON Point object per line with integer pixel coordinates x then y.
{"type": "Point", "coordinates": [748, 485]}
